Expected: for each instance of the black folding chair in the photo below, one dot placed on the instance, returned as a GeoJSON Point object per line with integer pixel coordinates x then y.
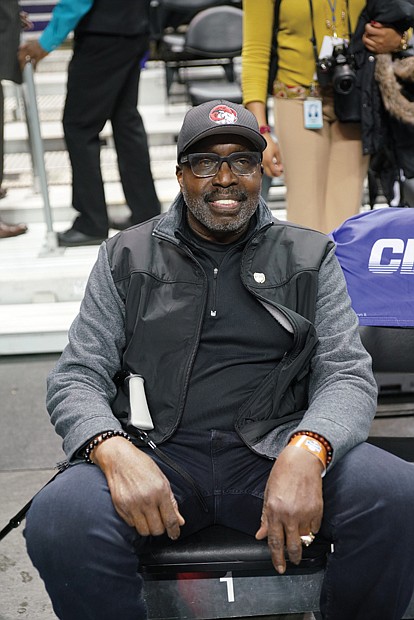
{"type": "Point", "coordinates": [170, 21]}
{"type": "Point", "coordinates": [221, 573]}
{"type": "Point", "coordinates": [216, 34]}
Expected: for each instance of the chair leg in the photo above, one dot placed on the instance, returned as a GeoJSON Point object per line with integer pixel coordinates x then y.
{"type": "Point", "coordinates": [229, 71]}
{"type": "Point", "coordinates": [170, 73]}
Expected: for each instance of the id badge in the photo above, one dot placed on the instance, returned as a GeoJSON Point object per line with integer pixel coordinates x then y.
{"type": "Point", "coordinates": [312, 112]}
{"type": "Point", "coordinates": [328, 44]}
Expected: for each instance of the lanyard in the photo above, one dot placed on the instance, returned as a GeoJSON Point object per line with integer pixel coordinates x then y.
{"type": "Point", "coordinates": [333, 7]}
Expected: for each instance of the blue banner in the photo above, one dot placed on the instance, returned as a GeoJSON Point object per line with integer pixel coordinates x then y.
{"type": "Point", "coordinates": [376, 252]}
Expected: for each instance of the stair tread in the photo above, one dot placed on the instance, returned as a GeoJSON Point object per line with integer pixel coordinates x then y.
{"type": "Point", "coordinates": [38, 318]}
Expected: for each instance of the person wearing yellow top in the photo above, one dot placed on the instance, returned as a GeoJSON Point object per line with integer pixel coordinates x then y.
{"type": "Point", "coordinates": [321, 157]}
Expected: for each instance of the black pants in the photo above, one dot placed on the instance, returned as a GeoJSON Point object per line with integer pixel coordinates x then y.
{"type": "Point", "coordinates": [87, 555]}
{"type": "Point", "coordinates": [103, 79]}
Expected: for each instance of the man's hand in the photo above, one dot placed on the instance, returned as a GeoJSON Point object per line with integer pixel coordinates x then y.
{"type": "Point", "coordinates": [140, 492]}
{"type": "Point", "coordinates": [293, 504]}
{"type": "Point", "coordinates": [381, 39]}
{"type": "Point", "coordinates": [31, 51]}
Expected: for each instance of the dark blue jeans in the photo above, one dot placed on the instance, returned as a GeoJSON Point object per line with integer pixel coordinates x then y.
{"type": "Point", "coordinates": [88, 556]}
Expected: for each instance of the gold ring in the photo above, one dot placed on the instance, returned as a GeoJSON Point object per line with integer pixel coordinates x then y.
{"type": "Point", "coordinates": [308, 539]}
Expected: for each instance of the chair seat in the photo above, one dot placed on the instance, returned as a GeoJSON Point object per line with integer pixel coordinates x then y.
{"type": "Point", "coordinates": [202, 91]}
{"type": "Point", "coordinates": [219, 548]}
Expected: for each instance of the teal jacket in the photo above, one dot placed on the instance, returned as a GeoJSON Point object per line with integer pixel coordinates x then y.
{"type": "Point", "coordinates": [65, 17]}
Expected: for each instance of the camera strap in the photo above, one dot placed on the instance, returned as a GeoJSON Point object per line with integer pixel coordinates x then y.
{"type": "Point", "coordinates": [313, 38]}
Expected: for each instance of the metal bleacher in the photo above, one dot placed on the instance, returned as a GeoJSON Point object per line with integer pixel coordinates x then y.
{"type": "Point", "coordinates": [40, 290]}
{"type": "Point", "coordinates": [41, 287]}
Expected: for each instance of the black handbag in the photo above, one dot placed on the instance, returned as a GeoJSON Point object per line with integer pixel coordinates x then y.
{"type": "Point", "coordinates": [273, 60]}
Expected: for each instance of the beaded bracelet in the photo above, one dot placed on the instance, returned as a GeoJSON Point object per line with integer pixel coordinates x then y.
{"type": "Point", "coordinates": [99, 439]}
{"type": "Point", "coordinates": [322, 440]}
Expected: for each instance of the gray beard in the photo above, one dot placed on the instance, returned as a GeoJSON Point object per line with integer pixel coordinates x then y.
{"type": "Point", "coordinates": [198, 207]}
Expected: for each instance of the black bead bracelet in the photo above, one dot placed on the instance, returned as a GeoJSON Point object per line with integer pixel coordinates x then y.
{"type": "Point", "coordinates": [99, 439]}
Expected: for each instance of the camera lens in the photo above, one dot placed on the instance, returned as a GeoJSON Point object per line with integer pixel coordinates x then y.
{"type": "Point", "coordinates": [343, 79]}
{"type": "Point", "coordinates": [345, 85]}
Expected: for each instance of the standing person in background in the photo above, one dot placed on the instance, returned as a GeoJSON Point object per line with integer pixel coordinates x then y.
{"type": "Point", "coordinates": [111, 39]}
{"type": "Point", "coordinates": [324, 163]}
{"type": "Point", "coordinates": [10, 26]}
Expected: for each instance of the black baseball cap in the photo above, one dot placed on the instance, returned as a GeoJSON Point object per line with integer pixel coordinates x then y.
{"type": "Point", "coordinates": [218, 117]}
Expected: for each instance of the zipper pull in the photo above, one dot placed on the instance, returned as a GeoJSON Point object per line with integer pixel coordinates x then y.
{"type": "Point", "coordinates": [215, 273]}
{"type": "Point", "coordinates": [144, 437]}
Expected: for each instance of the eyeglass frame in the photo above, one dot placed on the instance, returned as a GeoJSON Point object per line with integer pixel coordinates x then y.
{"type": "Point", "coordinates": [186, 159]}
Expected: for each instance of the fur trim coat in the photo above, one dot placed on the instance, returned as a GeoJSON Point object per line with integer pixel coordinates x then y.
{"type": "Point", "coordinates": [374, 126]}
{"type": "Point", "coordinates": [391, 76]}
{"type": "Point", "coordinates": [395, 78]}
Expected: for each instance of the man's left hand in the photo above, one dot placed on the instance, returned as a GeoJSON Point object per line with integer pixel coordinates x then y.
{"type": "Point", "coordinates": [31, 51]}
{"type": "Point", "coordinates": [293, 504]}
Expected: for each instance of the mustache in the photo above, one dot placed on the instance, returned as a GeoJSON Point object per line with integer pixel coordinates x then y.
{"type": "Point", "coordinates": [240, 196]}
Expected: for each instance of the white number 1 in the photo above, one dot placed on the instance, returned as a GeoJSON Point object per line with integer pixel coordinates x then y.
{"type": "Point", "coordinates": [230, 587]}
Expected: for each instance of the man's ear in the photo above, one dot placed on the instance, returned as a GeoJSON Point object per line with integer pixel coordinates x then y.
{"type": "Point", "coordinates": [179, 175]}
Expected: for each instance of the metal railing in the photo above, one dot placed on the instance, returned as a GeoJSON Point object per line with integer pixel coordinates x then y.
{"type": "Point", "coordinates": [37, 152]}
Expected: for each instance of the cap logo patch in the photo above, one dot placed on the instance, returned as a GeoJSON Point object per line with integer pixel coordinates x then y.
{"type": "Point", "coordinates": [223, 115]}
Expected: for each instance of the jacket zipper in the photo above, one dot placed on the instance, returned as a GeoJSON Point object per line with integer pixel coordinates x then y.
{"type": "Point", "coordinates": [213, 311]}
{"type": "Point", "coordinates": [186, 250]}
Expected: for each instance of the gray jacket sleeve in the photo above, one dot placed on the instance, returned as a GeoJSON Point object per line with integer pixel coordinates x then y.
{"type": "Point", "coordinates": [80, 388]}
{"type": "Point", "coordinates": [343, 391]}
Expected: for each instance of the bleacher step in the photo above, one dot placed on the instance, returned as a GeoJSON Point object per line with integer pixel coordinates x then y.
{"type": "Point", "coordinates": [41, 287]}
{"type": "Point", "coordinates": [24, 205]}
{"type": "Point", "coordinates": [35, 328]}
{"type": "Point", "coordinates": [160, 129]}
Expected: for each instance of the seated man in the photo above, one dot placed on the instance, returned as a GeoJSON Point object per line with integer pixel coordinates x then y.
{"type": "Point", "coordinates": [256, 382]}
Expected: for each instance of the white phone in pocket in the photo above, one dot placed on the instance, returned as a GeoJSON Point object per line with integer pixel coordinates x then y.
{"type": "Point", "coordinates": [139, 416]}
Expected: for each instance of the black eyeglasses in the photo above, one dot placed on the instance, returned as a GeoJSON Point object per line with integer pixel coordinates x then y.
{"type": "Point", "coordinates": [205, 165]}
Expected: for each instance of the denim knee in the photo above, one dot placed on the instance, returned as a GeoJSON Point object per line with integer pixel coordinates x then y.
{"type": "Point", "coordinates": [71, 515]}
{"type": "Point", "coordinates": [370, 482]}
{"type": "Point", "coordinates": [83, 550]}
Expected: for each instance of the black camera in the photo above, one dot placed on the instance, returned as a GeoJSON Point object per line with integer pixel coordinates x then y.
{"type": "Point", "coordinates": [338, 70]}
